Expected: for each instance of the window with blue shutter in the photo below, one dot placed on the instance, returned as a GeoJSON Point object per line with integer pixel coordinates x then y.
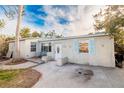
{"type": "Point", "coordinates": [91, 46]}
{"type": "Point", "coordinates": [76, 45]}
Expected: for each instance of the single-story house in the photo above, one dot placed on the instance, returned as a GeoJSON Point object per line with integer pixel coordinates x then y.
{"type": "Point", "coordinates": [95, 49]}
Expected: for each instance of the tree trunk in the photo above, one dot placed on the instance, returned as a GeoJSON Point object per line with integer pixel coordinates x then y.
{"type": "Point", "coordinates": [17, 44]}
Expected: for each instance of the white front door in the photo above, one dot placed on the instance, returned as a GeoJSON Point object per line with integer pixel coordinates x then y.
{"type": "Point", "coordinates": [58, 51]}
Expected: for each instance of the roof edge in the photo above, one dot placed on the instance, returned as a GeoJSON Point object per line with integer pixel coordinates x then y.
{"type": "Point", "coordinates": [73, 37]}
{"type": "Point", "coordinates": [63, 38]}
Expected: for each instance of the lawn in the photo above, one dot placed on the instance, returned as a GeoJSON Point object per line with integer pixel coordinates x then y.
{"type": "Point", "coordinates": [7, 75]}
{"type": "Point", "coordinates": [22, 78]}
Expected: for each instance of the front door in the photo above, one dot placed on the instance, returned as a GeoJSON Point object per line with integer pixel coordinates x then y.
{"type": "Point", "coordinates": [58, 51]}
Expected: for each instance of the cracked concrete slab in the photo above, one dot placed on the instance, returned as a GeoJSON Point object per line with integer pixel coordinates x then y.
{"type": "Point", "coordinates": [54, 76]}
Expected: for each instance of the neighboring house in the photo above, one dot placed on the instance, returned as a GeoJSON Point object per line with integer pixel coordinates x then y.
{"type": "Point", "coordinates": [96, 49]}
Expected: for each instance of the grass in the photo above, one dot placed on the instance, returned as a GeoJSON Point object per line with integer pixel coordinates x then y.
{"type": "Point", "coordinates": [7, 75]}
{"type": "Point", "coordinates": [18, 78]}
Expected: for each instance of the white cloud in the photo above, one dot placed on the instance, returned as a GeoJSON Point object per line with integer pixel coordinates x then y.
{"type": "Point", "coordinates": [10, 26]}
{"type": "Point", "coordinates": [81, 20]}
{"type": "Point", "coordinates": [53, 13]}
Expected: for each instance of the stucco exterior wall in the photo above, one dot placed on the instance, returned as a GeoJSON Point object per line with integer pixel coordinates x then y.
{"type": "Point", "coordinates": [103, 52]}
{"type": "Point", "coordinates": [28, 53]}
{"type": "Point", "coordinates": [12, 48]}
{"type": "Point", "coordinates": [103, 55]}
{"type": "Point", "coordinates": [25, 49]}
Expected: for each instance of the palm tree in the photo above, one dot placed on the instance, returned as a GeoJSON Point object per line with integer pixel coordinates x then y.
{"type": "Point", "coordinates": [2, 23]}
{"type": "Point", "coordinates": [20, 9]}
{"type": "Point", "coordinates": [10, 14]}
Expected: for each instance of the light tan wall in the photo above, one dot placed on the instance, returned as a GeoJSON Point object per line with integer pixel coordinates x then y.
{"type": "Point", "coordinates": [24, 48]}
{"type": "Point", "coordinates": [104, 52]}
{"type": "Point", "coordinates": [12, 48]}
{"type": "Point", "coordinates": [27, 46]}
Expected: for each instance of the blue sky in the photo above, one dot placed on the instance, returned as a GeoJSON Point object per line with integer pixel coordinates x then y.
{"type": "Point", "coordinates": [32, 12]}
{"type": "Point", "coordinates": [64, 19]}
{"type": "Point", "coordinates": [38, 15]}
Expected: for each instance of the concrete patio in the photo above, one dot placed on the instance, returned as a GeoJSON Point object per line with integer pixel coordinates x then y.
{"type": "Point", "coordinates": [66, 76]}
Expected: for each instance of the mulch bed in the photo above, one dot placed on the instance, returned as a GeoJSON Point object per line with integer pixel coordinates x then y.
{"type": "Point", "coordinates": [16, 61]}
{"type": "Point", "coordinates": [25, 79]}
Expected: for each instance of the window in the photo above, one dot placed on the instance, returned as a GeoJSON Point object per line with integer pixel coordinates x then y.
{"type": "Point", "coordinates": [83, 47]}
{"type": "Point", "coordinates": [46, 47]}
{"type": "Point", "coordinates": [42, 46]}
{"type": "Point", "coordinates": [58, 50]}
{"type": "Point", "coordinates": [50, 47]}
{"type": "Point", "coordinates": [33, 46]}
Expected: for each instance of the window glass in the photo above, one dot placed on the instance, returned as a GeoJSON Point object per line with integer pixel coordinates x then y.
{"type": "Point", "coordinates": [33, 46]}
{"type": "Point", "coordinates": [50, 47]}
{"type": "Point", "coordinates": [46, 47]}
{"type": "Point", "coordinates": [83, 47]}
{"type": "Point", "coordinates": [42, 48]}
{"type": "Point", "coordinates": [57, 49]}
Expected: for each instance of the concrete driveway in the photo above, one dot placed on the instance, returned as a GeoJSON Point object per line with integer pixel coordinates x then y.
{"type": "Point", "coordinates": [67, 77]}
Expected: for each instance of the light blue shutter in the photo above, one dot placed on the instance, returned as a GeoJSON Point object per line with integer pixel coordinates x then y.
{"type": "Point", "coordinates": [76, 45]}
{"type": "Point", "coordinates": [91, 46]}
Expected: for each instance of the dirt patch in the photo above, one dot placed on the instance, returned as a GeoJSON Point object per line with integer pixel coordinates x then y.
{"type": "Point", "coordinates": [82, 75]}
{"type": "Point", "coordinates": [24, 78]}
{"type": "Point", "coordinates": [87, 74]}
{"type": "Point", "coordinates": [3, 59]}
{"type": "Point", "coordinates": [16, 61]}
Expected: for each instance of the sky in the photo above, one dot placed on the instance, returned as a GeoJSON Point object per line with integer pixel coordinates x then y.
{"type": "Point", "coordinates": [68, 20]}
